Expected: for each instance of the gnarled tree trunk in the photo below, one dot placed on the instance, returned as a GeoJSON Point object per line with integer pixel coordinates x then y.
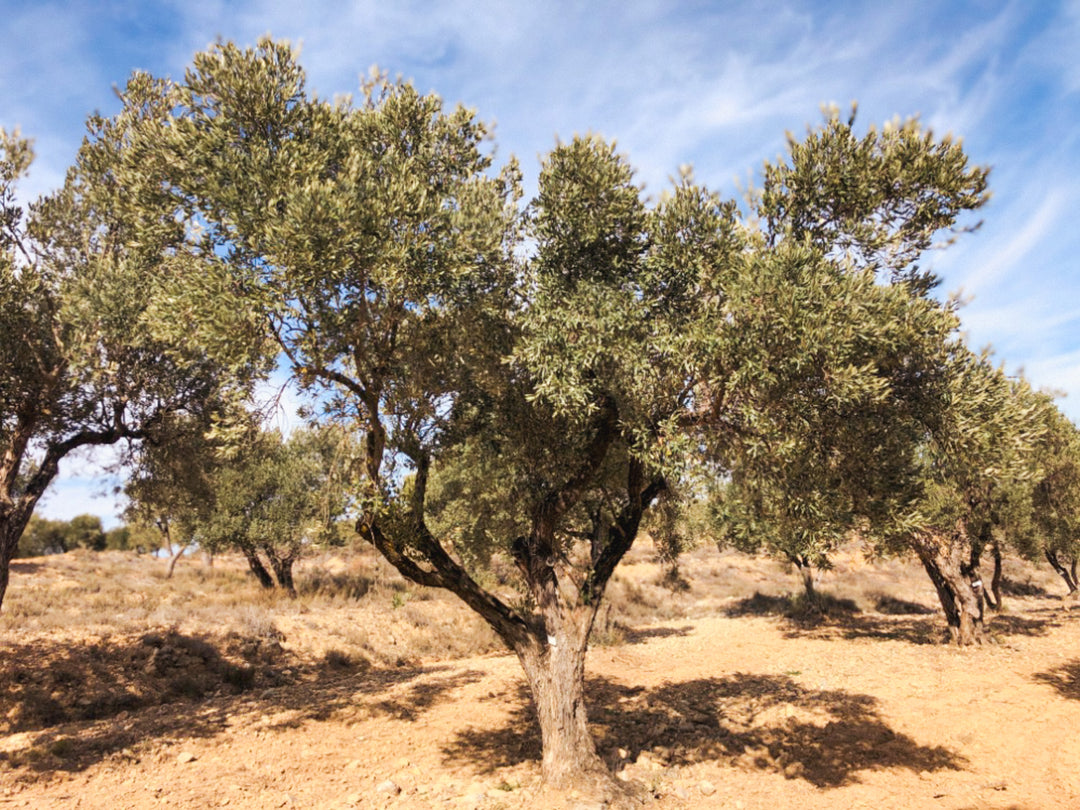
{"type": "Point", "coordinates": [13, 522]}
{"type": "Point", "coordinates": [551, 640]}
{"type": "Point", "coordinates": [946, 558]}
{"type": "Point", "coordinates": [282, 565]}
{"type": "Point", "coordinates": [256, 566]}
{"type": "Point", "coordinates": [806, 572]}
{"type": "Point", "coordinates": [555, 670]}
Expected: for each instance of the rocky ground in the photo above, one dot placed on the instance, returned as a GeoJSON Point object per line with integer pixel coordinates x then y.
{"type": "Point", "coordinates": [716, 700]}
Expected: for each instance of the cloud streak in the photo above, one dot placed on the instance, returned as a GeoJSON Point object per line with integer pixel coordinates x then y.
{"type": "Point", "coordinates": [713, 85]}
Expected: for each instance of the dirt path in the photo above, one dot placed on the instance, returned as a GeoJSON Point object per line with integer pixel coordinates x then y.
{"type": "Point", "coordinates": [747, 712]}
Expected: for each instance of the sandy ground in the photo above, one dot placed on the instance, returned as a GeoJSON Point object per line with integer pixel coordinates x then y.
{"type": "Point", "coordinates": [725, 711]}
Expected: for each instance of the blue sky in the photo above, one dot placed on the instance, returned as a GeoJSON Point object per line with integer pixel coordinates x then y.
{"type": "Point", "coordinates": [712, 84]}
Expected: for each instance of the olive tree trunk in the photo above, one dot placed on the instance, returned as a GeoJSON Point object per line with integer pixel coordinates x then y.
{"type": "Point", "coordinates": [255, 565]}
{"type": "Point", "coordinates": [555, 671]}
{"type": "Point", "coordinates": [946, 558]}
{"type": "Point", "coordinates": [13, 523]}
{"type": "Point", "coordinates": [282, 565]}
{"type": "Point", "coordinates": [550, 640]}
{"type": "Point", "coordinates": [1069, 576]}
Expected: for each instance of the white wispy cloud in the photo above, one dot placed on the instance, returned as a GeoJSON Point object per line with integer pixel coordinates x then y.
{"type": "Point", "coordinates": [714, 85]}
{"type": "Point", "coordinates": [1022, 239]}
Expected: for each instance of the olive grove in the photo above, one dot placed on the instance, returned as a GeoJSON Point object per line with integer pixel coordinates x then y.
{"type": "Point", "coordinates": [531, 379]}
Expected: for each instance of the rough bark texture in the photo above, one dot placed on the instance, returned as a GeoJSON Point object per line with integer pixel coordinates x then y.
{"type": "Point", "coordinates": [551, 639]}
{"type": "Point", "coordinates": [947, 560]}
{"type": "Point", "coordinates": [282, 566]}
{"type": "Point", "coordinates": [993, 596]}
{"type": "Point", "coordinates": [9, 542]}
{"type": "Point", "coordinates": [555, 670]}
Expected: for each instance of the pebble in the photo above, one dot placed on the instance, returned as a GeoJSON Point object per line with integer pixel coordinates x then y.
{"type": "Point", "coordinates": [707, 788]}
{"type": "Point", "coordinates": [389, 786]}
{"type": "Point", "coordinates": [185, 757]}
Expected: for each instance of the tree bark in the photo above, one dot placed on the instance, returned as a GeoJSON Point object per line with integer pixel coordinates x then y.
{"type": "Point", "coordinates": [9, 543]}
{"type": "Point", "coordinates": [946, 558]}
{"type": "Point", "coordinates": [175, 559]}
{"type": "Point", "coordinates": [256, 566]}
{"type": "Point", "coordinates": [282, 566]}
{"type": "Point", "coordinates": [993, 596]}
{"type": "Point", "coordinates": [1063, 572]}
{"type": "Point", "coordinates": [12, 525]}
{"type": "Point", "coordinates": [555, 670]}
{"type": "Point", "coordinates": [806, 572]}
{"type": "Point", "coordinates": [551, 639]}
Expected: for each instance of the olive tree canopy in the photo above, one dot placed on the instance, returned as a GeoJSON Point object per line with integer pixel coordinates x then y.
{"type": "Point", "coordinates": [527, 381]}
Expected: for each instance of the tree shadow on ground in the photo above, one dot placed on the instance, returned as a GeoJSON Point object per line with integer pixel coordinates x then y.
{"type": "Point", "coordinates": [633, 635]}
{"type": "Point", "coordinates": [22, 567]}
{"type": "Point", "coordinates": [1064, 678]}
{"type": "Point", "coordinates": [919, 630]}
{"type": "Point", "coordinates": [752, 722]}
{"type": "Point", "coordinates": [1029, 589]}
{"type": "Point", "coordinates": [798, 608]}
{"type": "Point", "coordinates": [891, 606]}
{"type": "Point", "coordinates": [76, 705]}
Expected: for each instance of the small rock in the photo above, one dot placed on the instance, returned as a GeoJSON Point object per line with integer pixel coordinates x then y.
{"type": "Point", "coordinates": [707, 788]}
{"type": "Point", "coordinates": [389, 786]}
{"type": "Point", "coordinates": [185, 757]}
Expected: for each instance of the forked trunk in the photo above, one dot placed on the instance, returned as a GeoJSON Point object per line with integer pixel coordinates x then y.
{"type": "Point", "coordinates": [257, 568]}
{"type": "Point", "coordinates": [282, 571]}
{"type": "Point", "coordinates": [1065, 573]}
{"type": "Point", "coordinates": [958, 589]}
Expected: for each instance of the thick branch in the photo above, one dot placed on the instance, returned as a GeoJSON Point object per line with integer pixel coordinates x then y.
{"type": "Point", "coordinates": [50, 465]}
{"type": "Point", "coordinates": [624, 531]}
{"type": "Point", "coordinates": [447, 574]}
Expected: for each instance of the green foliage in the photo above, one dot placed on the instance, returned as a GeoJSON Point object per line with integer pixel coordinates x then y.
{"type": "Point", "coordinates": [43, 537]}
{"type": "Point", "coordinates": [275, 494]}
{"type": "Point", "coordinates": [878, 201]}
{"type": "Point", "coordinates": [60, 536]}
{"type": "Point", "coordinates": [265, 495]}
{"type": "Point", "coordinates": [82, 363]}
{"type": "Point", "coordinates": [528, 383]}
{"type": "Point", "coordinates": [379, 249]}
{"type": "Point", "coordinates": [85, 531]}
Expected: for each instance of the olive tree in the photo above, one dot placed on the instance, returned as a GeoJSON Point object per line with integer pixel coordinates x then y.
{"type": "Point", "coordinates": [556, 365]}
{"type": "Point", "coordinates": [81, 364]}
{"type": "Point", "coordinates": [1046, 523]}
